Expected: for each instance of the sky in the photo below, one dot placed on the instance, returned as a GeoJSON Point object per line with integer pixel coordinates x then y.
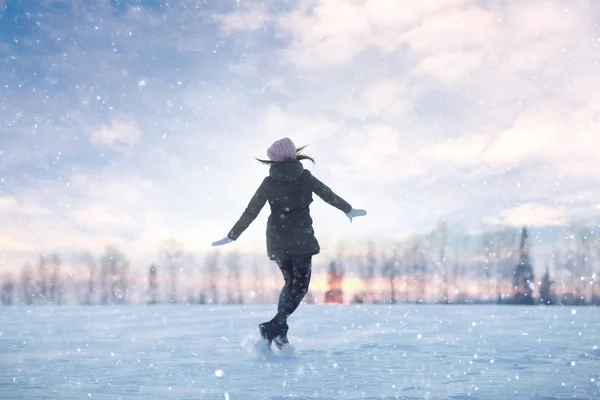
{"type": "Point", "coordinates": [133, 122]}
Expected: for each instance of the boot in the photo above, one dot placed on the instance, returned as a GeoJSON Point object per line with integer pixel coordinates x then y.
{"type": "Point", "coordinates": [268, 331]}
{"type": "Point", "coordinates": [265, 333]}
{"type": "Point", "coordinates": [281, 339]}
{"type": "Point", "coordinates": [274, 330]}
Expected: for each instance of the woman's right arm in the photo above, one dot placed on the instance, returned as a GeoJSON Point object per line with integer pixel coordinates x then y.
{"type": "Point", "coordinates": [328, 196]}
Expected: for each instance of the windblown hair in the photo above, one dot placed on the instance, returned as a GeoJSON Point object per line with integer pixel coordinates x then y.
{"type": "Point", "coordinates": [299, 157]}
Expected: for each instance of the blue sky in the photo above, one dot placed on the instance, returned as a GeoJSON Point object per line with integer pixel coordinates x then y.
{"type": "Point", "coordinates": [131, 122]}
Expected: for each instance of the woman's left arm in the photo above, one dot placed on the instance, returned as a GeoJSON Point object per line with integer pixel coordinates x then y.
{"type": "Point", "coordinates": [250, 213]}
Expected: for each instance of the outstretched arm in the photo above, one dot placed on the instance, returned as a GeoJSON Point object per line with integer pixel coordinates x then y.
{"type": "Point", "coordinates": [325, 193]}
{"type": "Point", "coordinates": [250, 213]}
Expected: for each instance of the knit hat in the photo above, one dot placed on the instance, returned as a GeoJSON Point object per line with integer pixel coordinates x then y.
{"type": "Point", "coordinates": [282, 149]}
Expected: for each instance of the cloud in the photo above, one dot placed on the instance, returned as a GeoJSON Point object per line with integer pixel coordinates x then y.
{"type": "Point", "coordinates": [245, 68]}
{"type": "Point", "coordinates": [508, 36]}
{"type": "Point", "coordinates": [276, 122]}
{"type": "Point", "coordinates": [247, 19]}
{"type": "Point", "coordinates": [328, 33]}
{"type": "Point", "coordinates": [369, 150]}
{"type": "Point", "coordinates": [33, 226]}
{"type": "Point", "coordinates": [7, 203]}
{"type": "Point", "coordinates": [543, 39]}
{"type": "Point", "coordinates": [386, 98]}
{"type": "Point", "coordinates": [99, 216]}
{"type": "Point", "coordinates": [116, 133]}
{"type": "Point", "coordinates": [536, 215]}
{"type": "Point", "coordinates": [466, 150]}
{"type": "Point", "coordinates": [92, 211]}
{"type": "Point", "coordinates": [558, 137]}
{"type": "Point", "coordinates": [481, 112]}
{"type": "Point", "coordinates": [492, 108]}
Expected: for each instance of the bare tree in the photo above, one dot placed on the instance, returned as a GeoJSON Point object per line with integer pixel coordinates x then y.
{"type": "Point", "coordinates": [190, 269]}
{"type": "Point", "coordinates": [153, 284]}
{"type": "Point", "coordinates": [441, 243]}
{"type": "Point", "coordinates": [412, 268]}
{"type": "Point", "coordinates": [115, 267]}
{"type": "Point", "coordinates": [48, 282]}
{"type": "Point", "coordinates": [489, 256]}
{"type": "Point", "coordinates": [212, 275]}
{"type": "Point", "coordinates": [501, 259]}
{"type": "Point", "coordinates": [419, 272]}
{"type": "Point", "coordinates": [558, 269]}
{"type": "Point", "coordinates": [43, 281]}
{"type": "Point", "coordinates": [122, 283]}
{"type": "Point", "coordinates": [201, 288]}
{"type": "Point", "coordinates": [403, 270]}
{"type": "Point", "coordinates": [596, 273]}
{"type": "Point", "coordinates": [172, 258]}
{"type": "Point", "coordinates": [584, 238]}
{"type": "Point", "coordinates": [259, 282]}
{"type": "Point", "coordinates": [104, 277]}
{"type": "Point", "coordinates": [7, 290]}
{"type": "Point", "coordinates": [367, 273]}
{"type": "Point", "coordinates": [55, 288]}
{"type": "Point", "coordinates": [389, 270]}
{"type": "Point", "coordinates": [234, 281]}
{"type": "Point", "coordinates": [458, 246]}
{"type": "Point", "coordinates": [28, 287]}
{"type": "Point", "coordinates": [86, 260]}
{"type": "Point", "coordinates": [335, 279]}
{"type": "Point", "coordinates": [578, 267]}
{"type": "Point", "coordinates": [570, 267]}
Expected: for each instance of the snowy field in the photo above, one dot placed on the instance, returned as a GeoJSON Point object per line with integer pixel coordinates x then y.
{"type": "Point", "coordinates": [342, 352]}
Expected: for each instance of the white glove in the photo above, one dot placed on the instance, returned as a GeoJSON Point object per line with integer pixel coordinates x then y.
{"type": "Point", "coordinates": [355, 213]}
{"type": "Point", "coordinates": [223, 241]}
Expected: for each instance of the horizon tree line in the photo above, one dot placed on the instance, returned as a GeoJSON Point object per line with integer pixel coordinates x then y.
{"type": "Point", "coordinates": [501, 266]}
{"type": "Point", "coordinates": [432, 268]}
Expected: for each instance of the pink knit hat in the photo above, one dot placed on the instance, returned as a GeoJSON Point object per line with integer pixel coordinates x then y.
{"type": "Point", "coordinates": [282, 149]}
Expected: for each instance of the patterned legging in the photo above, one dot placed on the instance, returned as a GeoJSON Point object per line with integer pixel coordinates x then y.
{"type": "Point", "coordinates": [296, 273]}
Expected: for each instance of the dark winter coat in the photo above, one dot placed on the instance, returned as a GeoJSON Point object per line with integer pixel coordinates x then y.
{"type": "Point", "coordinates": [288, 189]}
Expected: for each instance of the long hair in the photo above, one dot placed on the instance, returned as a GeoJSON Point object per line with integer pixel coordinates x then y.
{"type": "Point", "coordinates": [299, 157]}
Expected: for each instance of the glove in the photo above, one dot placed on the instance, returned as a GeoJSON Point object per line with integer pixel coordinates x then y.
{"type": "Point", "coordinates": [223, 241]}
{"type": "Point", "coordinates": [355, 213]}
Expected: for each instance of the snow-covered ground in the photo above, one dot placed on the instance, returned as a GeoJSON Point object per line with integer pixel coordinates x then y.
{"type": "Point", "coordinates": [342, 352]}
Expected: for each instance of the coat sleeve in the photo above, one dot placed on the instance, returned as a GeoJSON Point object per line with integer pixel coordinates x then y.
{"type": "Point", "coordinates": [250, 213]}
{"type": "Point", "coordinates": [325, 193]}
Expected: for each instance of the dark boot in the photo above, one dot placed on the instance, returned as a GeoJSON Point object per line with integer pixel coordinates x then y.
{"type": "Point", "coordinates": [281, 339]}
{"type": "Point", "coordinates": [274, 330]}
{"type": "Point", "coordinates": [265, 332]}
{"type": "Point", "coordinates": [268, 331]}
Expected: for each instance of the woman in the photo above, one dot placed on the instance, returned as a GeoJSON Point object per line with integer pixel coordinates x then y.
{"type": "Point", "coordinates": [291, 242]}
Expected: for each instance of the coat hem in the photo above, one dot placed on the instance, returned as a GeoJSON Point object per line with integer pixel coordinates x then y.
{"type": "Point", "coordinates": [310, 254]}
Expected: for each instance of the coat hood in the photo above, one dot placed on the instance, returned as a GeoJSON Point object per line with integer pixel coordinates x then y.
{"type": "Point", "coordinates": [286, 171]}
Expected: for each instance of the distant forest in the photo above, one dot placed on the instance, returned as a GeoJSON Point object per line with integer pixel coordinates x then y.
{"type": "Point", "coordinates": [441, 268]}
